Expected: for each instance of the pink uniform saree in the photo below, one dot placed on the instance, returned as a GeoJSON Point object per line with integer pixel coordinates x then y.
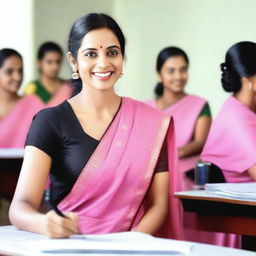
{"type": "Point", "coordinates": [62, 94]}
{"type": "Point", "coordinates": [231, 143]}
{"type": "Point", "coordinates": [109, 195]}
{"type": "Point", "coordinates": [185, 113]}
{"type": "Point", "coordinates": [14, 127]}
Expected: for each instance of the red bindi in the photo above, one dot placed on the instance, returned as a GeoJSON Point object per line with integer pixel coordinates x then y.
{"type": "Point", "coordinates": [100, 46]}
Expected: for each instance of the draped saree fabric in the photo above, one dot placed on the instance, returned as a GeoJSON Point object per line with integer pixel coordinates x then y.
{"type": "Point", "coordinates": [110, 193]}
{"type": "Point", "coordinates": [231, 143]}
{"type": "Point", "coordinates": [14, 127]}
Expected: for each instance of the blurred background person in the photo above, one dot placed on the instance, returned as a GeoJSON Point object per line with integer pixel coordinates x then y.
{"type": "Point", "coordinates": [231, 144]}
{"type": "Point", "coordinates": [16, 114]}
{"type": "Point", "coordinates": [49, 87]}
{"type": "Point", "coordinates": [192, 115]}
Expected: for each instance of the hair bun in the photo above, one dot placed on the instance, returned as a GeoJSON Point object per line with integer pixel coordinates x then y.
{"type": "Point", "coordinates": [230, 81]}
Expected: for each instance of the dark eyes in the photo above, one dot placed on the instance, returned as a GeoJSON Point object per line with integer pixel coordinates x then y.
{"type": "Point", "coordinates": [10, 71]}
{"type": "Point", "coordinates": [93, 54]}
{"type": "Point", "coordinates": [182, 70]}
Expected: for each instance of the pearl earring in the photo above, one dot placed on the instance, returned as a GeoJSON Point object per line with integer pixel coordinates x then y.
{"type": "Point", "coordinates": [75, 74]}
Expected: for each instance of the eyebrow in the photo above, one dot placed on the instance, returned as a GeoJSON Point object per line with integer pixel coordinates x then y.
{"type": "Point", "coordinates": [94, 49]}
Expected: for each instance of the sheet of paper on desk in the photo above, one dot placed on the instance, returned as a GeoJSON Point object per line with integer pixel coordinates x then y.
{"type": "Point", "coordinates": [126, 242]}
{"type": "Point", "coordinates": [234, 190]}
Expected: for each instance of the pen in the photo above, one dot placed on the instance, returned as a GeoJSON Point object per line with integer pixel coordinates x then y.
{"type": "Point", "coordinates": [47, 198]}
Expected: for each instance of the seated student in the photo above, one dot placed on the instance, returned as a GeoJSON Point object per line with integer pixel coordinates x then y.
{"type": "Point", "coordinates": [16, 112]}
{"type": "Point", "coordinates": [231, 143]}
{"type": "Point", "coordinates": [192, 119]}
{"type": "Point", "coordinates": [192, 116]}
{"type": "Point", "coordinates": [49, 87]}
{"type": "Point", "coordinates": [100, 176]}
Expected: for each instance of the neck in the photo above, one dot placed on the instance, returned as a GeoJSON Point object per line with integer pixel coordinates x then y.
{"type": "Point", "coordinates": [98, 101]}
{"type": "Point", "coordinates": [169, 98]}
{"type": "Point", "coordinates": [246, 97]}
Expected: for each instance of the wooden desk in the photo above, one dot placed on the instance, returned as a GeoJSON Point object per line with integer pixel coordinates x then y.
{"type": "Point", "coordinates": [10, 165]}
{"type": "Point", "coordinates": [220, 214]}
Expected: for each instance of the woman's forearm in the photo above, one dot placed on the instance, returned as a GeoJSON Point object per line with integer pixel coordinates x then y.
{"type": "Point", "coordinates": [152, 220]}
{"type": "Point", "coordinates": [23, 216]}
{"type": "Point", "coordinates": [192, 148]}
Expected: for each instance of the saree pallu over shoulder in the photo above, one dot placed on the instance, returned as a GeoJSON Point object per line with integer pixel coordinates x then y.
{"type": "Point", "coordinates": [231, 143]}
{"type": "Point", "coordinates": [109, 193]}
{"type": "Point", "coordinates": [14, 127]}
{"type": "Point", "coordinates": [185, 113]}
{"type": "Point", "coordinates": [64, 93]}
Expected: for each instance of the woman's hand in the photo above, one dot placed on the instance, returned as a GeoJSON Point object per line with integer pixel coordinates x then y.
{"type": "Point", "coordinates": [56, 226]}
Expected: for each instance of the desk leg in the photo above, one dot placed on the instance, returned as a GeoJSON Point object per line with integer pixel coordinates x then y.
{"type": "Point", "coordinates": [249, 243]}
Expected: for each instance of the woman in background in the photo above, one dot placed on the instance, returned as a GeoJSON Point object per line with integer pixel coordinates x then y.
{"type": "Point", "coordinates": [49, 87]}
{"type": "Point", "coordinates": [192, 117]}
{"type": "Point", "coordinates": [100, 176]}
{"type": "Point", "coordinates": [231, 144]}
{"type": "Point", "coordinates": [16, 114]}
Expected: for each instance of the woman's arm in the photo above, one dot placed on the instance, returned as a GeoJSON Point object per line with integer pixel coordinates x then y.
{"type": "Point", "coordinates": [24, 211]}
{"type": "Point", "coordinates": [157, 201]}
{"type": "Point", "coordinates": [202, 128]}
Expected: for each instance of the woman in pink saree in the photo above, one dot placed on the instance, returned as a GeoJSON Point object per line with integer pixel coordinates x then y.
{"type": "Point", "coordinates": [107, 173]}
{"type": "Point", "coordinates": [231, 143]}
{"type": "Point", "coordinates": [192, 116]}
{"type": "Point", "coordinates": [16, 112]}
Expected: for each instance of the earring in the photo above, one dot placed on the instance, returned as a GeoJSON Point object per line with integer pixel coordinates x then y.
{"type": "Point", "coordinates": [75, 74]}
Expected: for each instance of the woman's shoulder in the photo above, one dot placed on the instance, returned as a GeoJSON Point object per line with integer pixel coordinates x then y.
{"type": "Point", "coordinates": [197, 98]}
{"type": "Point", "coordinates": [52, 114]}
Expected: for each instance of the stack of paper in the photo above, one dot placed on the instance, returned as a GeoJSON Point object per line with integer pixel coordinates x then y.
{"type": "Point", "coordinates": [117, 243]}
{"type": "Point", "coordinates": [245, 191]}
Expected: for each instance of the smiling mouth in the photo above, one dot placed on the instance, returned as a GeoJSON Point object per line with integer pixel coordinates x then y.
{"type": "Point", "coordinates": [102, 75]}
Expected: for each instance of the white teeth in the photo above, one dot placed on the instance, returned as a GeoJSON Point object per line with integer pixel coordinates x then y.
{"type": "Point", "coordinates": [102, 74]}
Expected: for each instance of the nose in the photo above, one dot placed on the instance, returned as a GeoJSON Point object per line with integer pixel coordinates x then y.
{"type": "Point", "coordinates": [177, 75]}
{"type": "Point", "coordinates": [103, 62]}
{"type": "Point", "coordinates": [17, 76]}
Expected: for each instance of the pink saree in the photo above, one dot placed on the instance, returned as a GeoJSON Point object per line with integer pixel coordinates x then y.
{"type": "Point", "coordinates": [110, 192]}
{"type": "Point", "coordinates": [231, 143]}
{"type": "Point", "coordinates": [62, 94]}
{"type": "Point", "coordinates": [14, 127]}
{"type": "Point", "coordinates": [185, 113]}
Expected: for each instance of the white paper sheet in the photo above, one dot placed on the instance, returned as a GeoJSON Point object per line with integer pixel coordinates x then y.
{"type": "Point", "coordinates": [127, 243]}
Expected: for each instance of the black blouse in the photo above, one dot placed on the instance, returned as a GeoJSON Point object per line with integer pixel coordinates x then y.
{"type": "Point", "coordinates": [58, 133]}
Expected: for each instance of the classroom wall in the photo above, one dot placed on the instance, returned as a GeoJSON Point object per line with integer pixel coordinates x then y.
{"type": "Point", "coordinates": [16, 28]}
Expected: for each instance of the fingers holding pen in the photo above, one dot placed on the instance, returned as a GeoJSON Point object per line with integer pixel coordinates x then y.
{"type": "Point", "coordinates": [60, 227]}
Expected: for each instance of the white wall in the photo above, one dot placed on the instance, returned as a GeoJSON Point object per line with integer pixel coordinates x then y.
{"type": "Point", "coordinates": [16, 30]}
{"type": "Point", "coordinates": [205, 29]}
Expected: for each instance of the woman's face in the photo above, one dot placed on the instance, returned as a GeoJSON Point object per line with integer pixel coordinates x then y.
{"type": "Point", "coordinates": [99, 60]}
{"type": "Point", "coordinates": [174, 74]}
{"type": "Point", "coordinates": [50, 64]}
{"type": "Point", "coordinates": [11, 74]}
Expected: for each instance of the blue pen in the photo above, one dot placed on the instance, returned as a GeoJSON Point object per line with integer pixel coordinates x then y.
{"type": "Point", "coordinates": [47, 198]}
